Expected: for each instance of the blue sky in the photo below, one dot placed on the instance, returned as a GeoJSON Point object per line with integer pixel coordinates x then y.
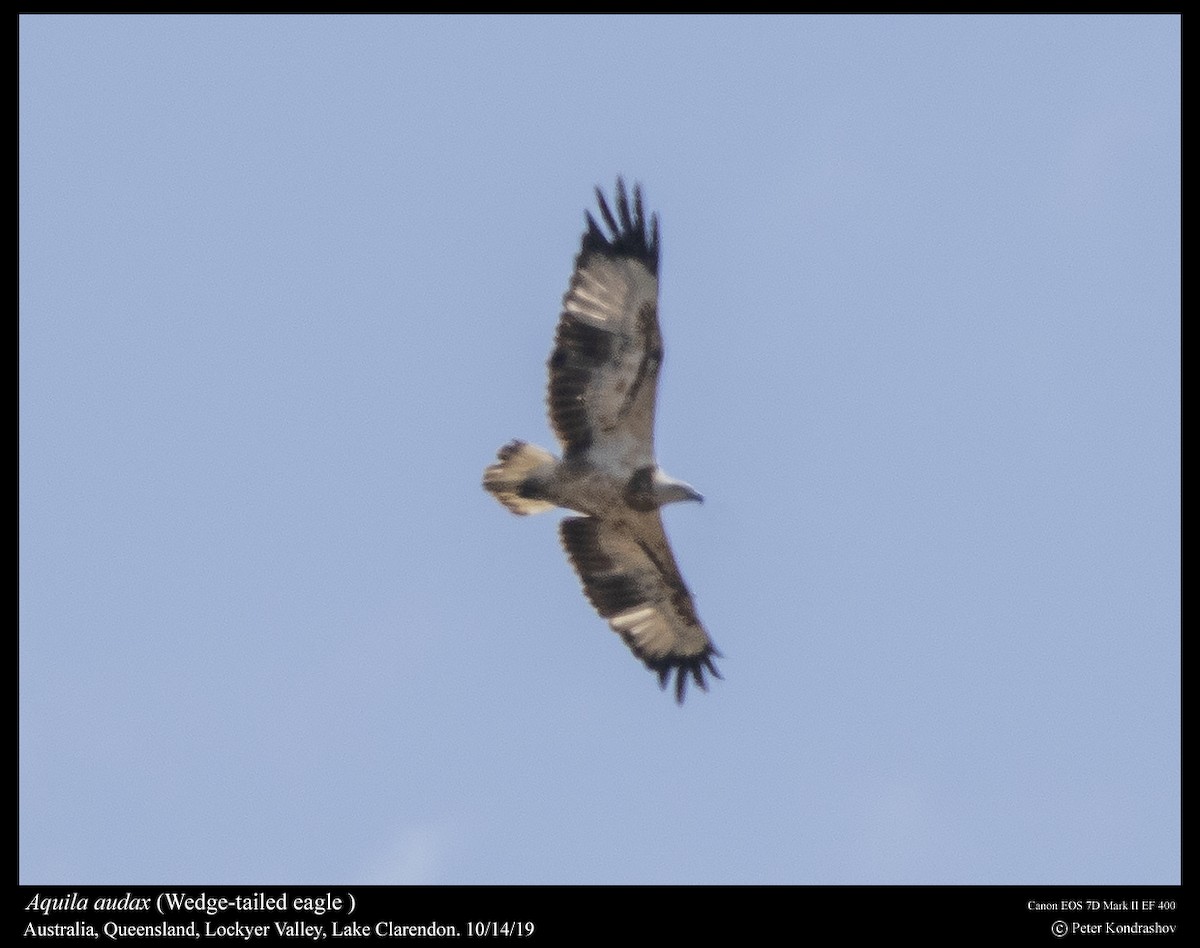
{"type": "Point", "coordinates": [286, 284]}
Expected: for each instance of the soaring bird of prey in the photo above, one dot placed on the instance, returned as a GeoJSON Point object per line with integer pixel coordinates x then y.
{"type": "Point", "coordinates": [603, 383]}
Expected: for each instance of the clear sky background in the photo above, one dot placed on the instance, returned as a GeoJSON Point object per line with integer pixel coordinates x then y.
{"type": "Point", "coordinates": [286, 284]}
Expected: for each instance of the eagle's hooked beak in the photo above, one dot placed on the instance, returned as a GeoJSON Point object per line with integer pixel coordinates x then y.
{"type": "Point", "coordinates": [667, 490]}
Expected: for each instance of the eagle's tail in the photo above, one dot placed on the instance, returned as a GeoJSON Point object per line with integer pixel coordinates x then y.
{"type": "Point", "coordinates": [513, 480]}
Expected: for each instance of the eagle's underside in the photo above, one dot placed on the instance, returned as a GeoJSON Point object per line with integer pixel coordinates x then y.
{"type": "Point", "coordinates": [602, 389]}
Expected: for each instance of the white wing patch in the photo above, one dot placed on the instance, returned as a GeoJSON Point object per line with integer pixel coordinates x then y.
{"type": "Point", "coordinates": [606, 293]}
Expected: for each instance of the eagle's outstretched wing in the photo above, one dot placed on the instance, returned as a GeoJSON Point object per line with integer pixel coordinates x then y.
{"type": "Point", "coordinates": [630, 576]}
{"type": "Point", "coordinates": [608, 348]}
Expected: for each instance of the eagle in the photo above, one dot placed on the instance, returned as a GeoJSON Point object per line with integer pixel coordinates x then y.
{"type": "Point", "coordinates": [608, 350]}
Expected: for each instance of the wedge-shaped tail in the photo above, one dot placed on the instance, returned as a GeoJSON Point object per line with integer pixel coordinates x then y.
{"type": "Point", "coordinates": [514, 478]}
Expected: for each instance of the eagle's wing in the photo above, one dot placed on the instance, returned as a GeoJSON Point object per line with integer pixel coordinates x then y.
{"type": "Point", "coordinates": [607, 350]}
{"type": "Point", "coordinates": [631, 578]}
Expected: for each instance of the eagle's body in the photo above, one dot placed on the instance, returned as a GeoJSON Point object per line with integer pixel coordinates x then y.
{"type": "Point", "coordinates": [603, 384]}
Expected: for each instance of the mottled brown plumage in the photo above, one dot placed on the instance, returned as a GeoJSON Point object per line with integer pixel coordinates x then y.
{"type": "Point", "coordinates": [601, 400]}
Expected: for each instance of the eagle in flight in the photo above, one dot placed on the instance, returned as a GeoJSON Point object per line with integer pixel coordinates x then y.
{"type": "Point", "coordinates": [603, 382]}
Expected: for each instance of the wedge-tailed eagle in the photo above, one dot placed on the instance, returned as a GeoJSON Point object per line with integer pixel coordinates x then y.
{"type": "Point", "coordinates": [603, 382]}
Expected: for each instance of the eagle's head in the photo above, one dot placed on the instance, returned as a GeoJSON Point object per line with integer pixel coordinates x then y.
{"type": "Point", "coordinates": [667, 490]}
